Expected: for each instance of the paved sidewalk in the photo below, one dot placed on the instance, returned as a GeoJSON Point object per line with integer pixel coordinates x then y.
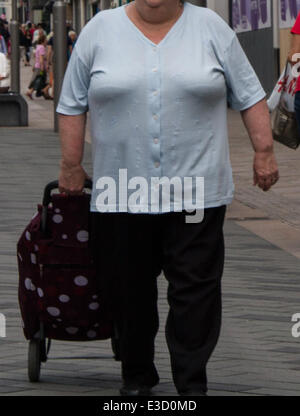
{"type": "Point", "coordinates": [256, 354]}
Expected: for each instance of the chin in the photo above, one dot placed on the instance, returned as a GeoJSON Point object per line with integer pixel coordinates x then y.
{"type": "Point", "coordinates": [154, 3]}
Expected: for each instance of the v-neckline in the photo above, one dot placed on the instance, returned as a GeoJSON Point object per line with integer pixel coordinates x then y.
{"type": "Point", "coordinates": [168, 34]}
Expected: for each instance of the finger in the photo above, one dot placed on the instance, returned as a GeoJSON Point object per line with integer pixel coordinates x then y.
{"type": "Point", "coordinates": [264, 183]}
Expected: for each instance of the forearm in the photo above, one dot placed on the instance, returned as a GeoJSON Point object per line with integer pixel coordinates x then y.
{"type": "Point", "coordinates": [42, 62]}
{"type": "Point", "coordinates": [72, 132]}
{"type": "Point", "coordinates": [258, 124]}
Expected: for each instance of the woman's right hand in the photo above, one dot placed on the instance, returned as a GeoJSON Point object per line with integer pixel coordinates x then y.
{"type": "Point", "coordinates": [71, 179]}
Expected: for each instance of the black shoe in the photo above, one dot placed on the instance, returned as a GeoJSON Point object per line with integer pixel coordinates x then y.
{"type": "Point", "coordinates": [135, 390]}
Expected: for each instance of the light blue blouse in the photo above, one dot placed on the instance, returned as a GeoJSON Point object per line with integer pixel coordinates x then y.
{"type": "Point", "coordinates": [159, 111]}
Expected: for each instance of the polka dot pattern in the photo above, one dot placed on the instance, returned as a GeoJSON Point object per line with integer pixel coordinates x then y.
{"type": "Point", "coordinates": [53, 311]}
{"type": "Point", "coordinates": [82, 236]}
{"type": "Point", "coordinates": [40, 292]}
{"type": "Point", "coordinates": [94, 306]}
{"type": "Point", "coordinates": [27, 283]}
{"type": "Point", "coordinates": [57, 219]}
{"type": "Point", "coordinates": [81, 281]}
{"type": "Point", "coordinates": [64, 298]}
{"type": "Point", "coordinates": [33, 258]}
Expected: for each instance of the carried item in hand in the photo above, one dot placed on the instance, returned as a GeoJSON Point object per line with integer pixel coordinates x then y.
{"type": "Point", "coordinates": [59, 293]}
{"type": "Point", "coordinates": [284, 122]}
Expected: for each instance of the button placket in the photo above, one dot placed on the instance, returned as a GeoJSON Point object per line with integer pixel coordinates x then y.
{"type": "Point", "coordinates": [155, 108]}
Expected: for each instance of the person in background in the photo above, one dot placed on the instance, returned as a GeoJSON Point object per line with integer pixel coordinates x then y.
{"type": "Point", "coordinates": [3, 48]}
{"type": "Point", "coordinates": [32, 29]}
{"type": "Point", "coordinates": [293, 59]}
{"type": "Point", "coordinates": [28, 43]}
{"type": "Point", "coordinates": [73, 36]}
{"type": "Point", "coordinates": [40, 65]}
{"type": "Point", "coordinates": [22, 42]}
{"type": "Point", "coordinates": [51, 45]}
{"type": "Point", "coordinates": [5, 34]}
{"type": "Point", "coordinates": [37, 33]}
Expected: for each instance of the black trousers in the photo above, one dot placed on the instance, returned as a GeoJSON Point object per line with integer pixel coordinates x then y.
{"type": "Point", "coordinates": [131, 250]}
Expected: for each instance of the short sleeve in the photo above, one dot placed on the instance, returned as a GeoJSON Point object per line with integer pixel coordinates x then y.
{"type": "Point", "coordinates": [243, 86]}
{"type": "Point", "coordinates": [74, 94]}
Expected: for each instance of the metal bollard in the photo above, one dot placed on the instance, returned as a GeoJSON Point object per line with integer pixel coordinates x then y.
{"type": "Point", "coordinates": [15, 51]}
{"type": "Point", "coordinates": [60, 52]}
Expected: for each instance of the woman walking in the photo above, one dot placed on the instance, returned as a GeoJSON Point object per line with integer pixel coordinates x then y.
{"type": "Point", "coordinates": [156, 76]}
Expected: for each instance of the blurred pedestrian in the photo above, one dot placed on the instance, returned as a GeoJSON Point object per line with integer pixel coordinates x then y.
{"type": "Point", "coordinates": [28, 44]}
{"type": "Point", "coordinates": [73, 37]}
{"type": "Point", "coordinates": [5, 35]}
{"type": "Point", "coordinates": [40, 67]}
{"type": "Point", "coordinates": [39, 31]}
{"type": "Point", "coordinates": [22, 42]}
{"type": "Point", "coordinates": [3, 48]}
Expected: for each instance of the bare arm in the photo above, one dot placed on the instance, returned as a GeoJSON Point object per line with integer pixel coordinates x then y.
{"type": "Point", "coordinates": [258, 125]}
{"type": "Point", "coordinates": [42, 62]}
{"type": "Point", "coordinates": [72, 132]}
{"type": "Point", "coordinates": [49, 54]}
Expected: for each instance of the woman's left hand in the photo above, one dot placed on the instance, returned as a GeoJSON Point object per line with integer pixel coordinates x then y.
{"type": "Point", "coordinates": [265, 170]}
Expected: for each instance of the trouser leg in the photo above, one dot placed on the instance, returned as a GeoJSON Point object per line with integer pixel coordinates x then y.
{"type": "Point", "coordinates": [131, 288]}
{"type": "Point", "coordinates": [193, 266]}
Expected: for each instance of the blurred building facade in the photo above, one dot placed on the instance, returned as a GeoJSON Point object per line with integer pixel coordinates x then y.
{"type": "Point", "coordinates": [262, 26]}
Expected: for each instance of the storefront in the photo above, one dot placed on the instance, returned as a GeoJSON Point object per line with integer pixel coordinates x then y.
{"type": "Point", "coordinates": [5, 9]}
{"type": "Point", "coordinates": [256, 25]}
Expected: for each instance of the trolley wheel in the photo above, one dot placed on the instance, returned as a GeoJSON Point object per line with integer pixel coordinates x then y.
{"type": "Point", "coordinates": [115, 346]}
{"type": "Point", "coordinates": [34, 360]}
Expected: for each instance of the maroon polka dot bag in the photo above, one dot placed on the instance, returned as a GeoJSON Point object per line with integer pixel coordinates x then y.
{"type": "Point", "coordinates": [58, 287]}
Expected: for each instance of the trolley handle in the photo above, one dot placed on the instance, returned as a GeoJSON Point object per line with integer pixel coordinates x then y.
{"type": "Point", "coordinates": [88, 184]}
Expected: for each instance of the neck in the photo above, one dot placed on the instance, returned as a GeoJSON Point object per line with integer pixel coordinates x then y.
{"type": "Point", "coordinates": [156, 11]}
